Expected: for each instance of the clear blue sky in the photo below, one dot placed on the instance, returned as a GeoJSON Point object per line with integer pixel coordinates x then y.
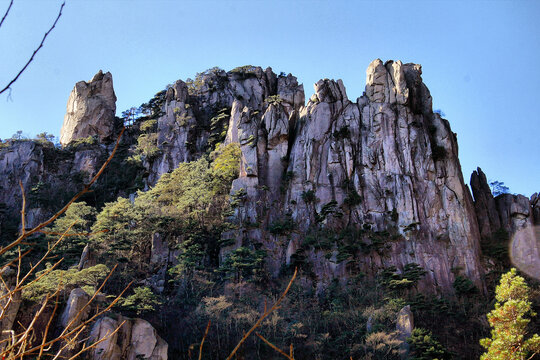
{"type": "Point", "coordinates": [479, 58]}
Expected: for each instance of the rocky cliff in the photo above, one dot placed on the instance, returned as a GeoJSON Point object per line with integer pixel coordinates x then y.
{"type": "Point", "coordinates": [383, 167]}
{"type": "Point", "coordinates": [384, 164]}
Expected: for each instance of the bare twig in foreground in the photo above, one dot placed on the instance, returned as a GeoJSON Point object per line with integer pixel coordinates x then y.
{"type": "Point", "coordinates": [35, 51]}
{"type": "Point", "coordinates": [264, 315]}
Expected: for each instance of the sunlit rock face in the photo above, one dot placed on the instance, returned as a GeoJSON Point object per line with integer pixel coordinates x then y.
{"type": "Point", "coordinates": [135, 339]}
{"type": "Point", "coordinates": [90, 110]}
{"type": "Point", "coordinates": [215, 104]}
{"type": "Point", "coordinates": [515, 215]}
{"type": "Point", "coordinates": [384, 163]}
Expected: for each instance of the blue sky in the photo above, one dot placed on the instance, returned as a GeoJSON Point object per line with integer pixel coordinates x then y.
{"type": "Point", "coordinates": [479, 59]}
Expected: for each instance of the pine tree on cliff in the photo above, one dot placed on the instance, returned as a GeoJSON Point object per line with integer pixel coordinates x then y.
{"type": "Point", "coordinates": [509, 321]}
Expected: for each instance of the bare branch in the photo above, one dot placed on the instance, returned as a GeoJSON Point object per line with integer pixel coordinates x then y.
{"type": "Point", "coordinates": [204, 337]}
{"type": "Point", "coordinates": [6, 14]}
{"type": "Point", "coordinates": [275, 347]}
{"type": "Point", "coordinates": [264, 315]}
{"type": "Point", "coordinates": [8, 86]}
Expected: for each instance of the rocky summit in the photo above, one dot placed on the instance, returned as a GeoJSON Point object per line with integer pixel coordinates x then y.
{"type": "Point", "coordinates": [90, 110]}
{"type": "Point", "coordinates": [223, 184]}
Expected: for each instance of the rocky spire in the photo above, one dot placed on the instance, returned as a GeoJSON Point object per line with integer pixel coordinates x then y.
{"type": "Point", "coordinates": [90, 110]}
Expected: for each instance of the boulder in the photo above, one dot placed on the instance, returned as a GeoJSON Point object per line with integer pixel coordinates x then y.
{"type": "Point", "coordinates": [135, 339]}
{"type": "Point", "coordinates": [73, 313]}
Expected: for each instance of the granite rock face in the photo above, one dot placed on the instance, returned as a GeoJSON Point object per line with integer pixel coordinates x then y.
{"type": "Point", "coordinates": [214, 103]}
{"type": "Point", "coordinates": [514, 215]}
{"type": "Point", "coordinates": [44, 172]}
{"type": "Point", "coordinates": [385, 162]}
{"type": "Point", "coordinates": [90, 110]}
{"type": "Point", "coordinates": [136, 339]}
{"type": "Point", "coordinates": [484, 204]}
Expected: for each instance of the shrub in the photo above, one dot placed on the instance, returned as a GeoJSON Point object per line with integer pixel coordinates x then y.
{"type": "Point", "coordinates": [143, 300]}
{"type": "Point", "coordinates": [273, 100]}
{"type": "Point", "coordinates": [64, 279]}
{"type": "Point", "coordinates": [282, 226]}
{"type": "Point", "coordinates": [244, 263]}
{"type": "Point", "coordinates": [425, 347]}
{"type": "Point", "coordinates": [308, 196]}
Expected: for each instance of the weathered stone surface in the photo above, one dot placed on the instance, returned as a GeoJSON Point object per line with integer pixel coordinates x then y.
{"type": "Point", "coordinates": [535, 205]}
{"type": "Point", "coordinates": [187, 122]}
{"type": "Point", "coordinates": [136, 339]}
{"type": "Point", "coordinates": [73, 313]}
{"type": "Point", "coordinates": [386, 154]}
{"type": "Point", "coordinates": [108, 349]}
{"type": "Point", "coordinates": [90, 110]}
{"type": "Point", "coordinates": [88, 258]}
{"type": "Point", "coordinates": [161, 258]}
{"type": "Point", "coordinates": [514, 212]}
{"type": "Point", "coordinates": [484, 204]}
{"type": "Point", "coordinates": [405, 323]}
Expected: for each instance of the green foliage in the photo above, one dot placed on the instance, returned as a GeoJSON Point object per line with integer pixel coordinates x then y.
{"type": "Point", "coordinates": [244, 70]}
{"type": "Point", "coordinates": [142, 301]}
{"type": "Point", "coordinates": [353, 198]}
{"type": "Point", "coordinates": [498, 188]}
{"type": "Point", "coordinates": [425, 347]}
{"type": "Point", "coordinates": [244, 263]}
{"type": "Point", "coordinates": [147, 146]}
{"type": "Point", "coordinates": [218, 127]}
{"type": "Point", "coordinates": [394, 281]}
{"type": "Point", "coordinates": [308, 196]}
{"type": "Point", "coordinates": [509, 321]}
{"type": "Point", "coordinates": [64, 279]}
{"type": "Point", "coordinates": [79, 216]}
{"type": "Point", "coordinates": [148, 126]}
{"type": "Point", "coordinates": [327, 209]}
{"type": "Point", "coordinates": [152, 109]}
{"type": "Point", "coordinates": [195, 85]}
{"type": "Point", "coordinates": [464, 286]}
{"type": "Point", "coordinates": [187, 206]}
{"type": "Point", "coordinates": [273, 100]}
{"type": "Point", "coordinates": [82, 143]}
{"type": "Point", "coordinates": [45, 139]}
{"type": "Point", "coordinates": [282, 226]}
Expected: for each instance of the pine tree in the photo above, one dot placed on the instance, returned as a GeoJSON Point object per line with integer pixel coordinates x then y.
{"type": "Point", "coordinates": [509, 321]}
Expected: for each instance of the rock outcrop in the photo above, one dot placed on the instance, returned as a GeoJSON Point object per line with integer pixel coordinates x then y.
{"type": "Point", "coordinates": [514, 215]}
{"type": "Point", "coordinates": [385, 163]}
{"type": "Point", "coordinates": [136, 339]}
{"type": "Point", "coordinates": [484, 204]}
{"type": "Point", "coordinates": [90, 110]}
{"type": "Point", "coordinates": [48, 175]}
{"type": "Point", "coordinates": [193, 118]}
{"type": "Point", "coordinates": [76, 310]}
